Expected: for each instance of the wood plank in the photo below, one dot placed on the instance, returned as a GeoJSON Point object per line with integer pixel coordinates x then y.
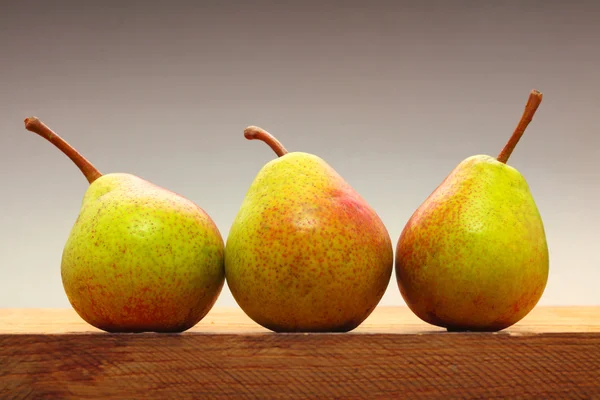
{"type": "Point", "coordinates": [555, 365]}
{"type": "Point", "coordinates": [52, 354]}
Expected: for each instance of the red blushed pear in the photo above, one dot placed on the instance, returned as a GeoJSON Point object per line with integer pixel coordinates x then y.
{"type": "Point", "coordinates": [139, 257]}
{"type": "Point", "coordinates": [474, 255]}
{"type": "Point", "coordinates": [305, 252]}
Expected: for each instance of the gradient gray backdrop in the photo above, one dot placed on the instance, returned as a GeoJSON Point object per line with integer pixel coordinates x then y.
{"type": "Point", "coordinates": [392, 94]}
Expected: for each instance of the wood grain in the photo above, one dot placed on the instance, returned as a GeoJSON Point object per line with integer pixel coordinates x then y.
{"type": "Point", "coordinates": [553, 353]}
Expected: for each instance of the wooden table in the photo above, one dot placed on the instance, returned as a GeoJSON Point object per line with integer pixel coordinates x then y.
{"type": "Point", "coordinates": [552, 353]}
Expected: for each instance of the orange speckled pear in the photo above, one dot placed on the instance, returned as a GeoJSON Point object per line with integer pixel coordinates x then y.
{"type": "Point", "coordinates": [305, 252]}
{"type": "Point", "coordinates": [139, 257]}
{"type": "Point", "coordinates": [474, 255]}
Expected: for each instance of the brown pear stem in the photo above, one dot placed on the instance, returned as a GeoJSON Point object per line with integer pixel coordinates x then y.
{"type": "Point", "coordinates": [535, 98]}
{"type": "Point", "coordinates": [33, 124]}
{"type": "Point", "coordinates": [254, 132]}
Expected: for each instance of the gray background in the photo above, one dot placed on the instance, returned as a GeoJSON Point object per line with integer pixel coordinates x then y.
{"type": "Point", "coordinates": [392, 94]}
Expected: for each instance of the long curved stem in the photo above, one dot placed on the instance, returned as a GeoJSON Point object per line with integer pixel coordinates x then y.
{"type": "Point", "coordinates": [254, 132]}
{"type": "Point", "coordinates": [33, 124]}
{"type": "Point", "coordinates": [535, 98]}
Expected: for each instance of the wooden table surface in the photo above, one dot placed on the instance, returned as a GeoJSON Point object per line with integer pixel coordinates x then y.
{"type": "Point", "coordinates": [51, 353]}
{"type": "Point", "coordinates": [396, 320]}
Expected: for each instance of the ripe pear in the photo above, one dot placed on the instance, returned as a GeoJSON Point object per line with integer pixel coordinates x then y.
{"type": "Point", "coordinates": [474, 255]}
{"type": "Point", "coordinates": [139, 257]}
{"type": "Point", "coordinates": [305, 252]}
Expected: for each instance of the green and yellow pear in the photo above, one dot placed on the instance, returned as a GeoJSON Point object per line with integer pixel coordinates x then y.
{"type": "Point", "coordinates": [139, 257]}
{"type": "Point", "coordinates": [474, 255]}
{"type": "Point", "coordinates": [305, 252]}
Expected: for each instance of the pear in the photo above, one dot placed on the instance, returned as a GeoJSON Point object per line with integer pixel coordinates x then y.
{"type": "Point", "coordinates": [305, 252]}
{"type": "Point", "coordinates": [474, 256]}
{"type": "Point", "coordinates": [139, 257]}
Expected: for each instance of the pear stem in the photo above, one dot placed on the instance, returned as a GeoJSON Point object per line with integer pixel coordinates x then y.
{"type": "Point", "coordinates": [254, 132]}
{"type": "Point", "coordinates": [535, 98]}
{"type": "Point", "coordinates": [33, 124]}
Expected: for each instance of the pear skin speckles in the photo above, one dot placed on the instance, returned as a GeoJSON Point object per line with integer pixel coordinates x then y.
{"type": "Point", "coordinates": [474, 255]}
{"type": "Point", "coordinates": [141, 258]}
{"type": "Point", "coordinates": [306, 252]}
